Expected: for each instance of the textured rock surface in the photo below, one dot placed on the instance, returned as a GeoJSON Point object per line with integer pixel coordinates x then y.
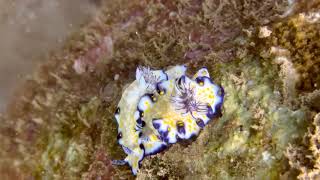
{"type": "Point", "coordinates": [61, 124]}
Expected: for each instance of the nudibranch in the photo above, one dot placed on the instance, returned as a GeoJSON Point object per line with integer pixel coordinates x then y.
{"type": "Point", "coordinates": [162, 107]}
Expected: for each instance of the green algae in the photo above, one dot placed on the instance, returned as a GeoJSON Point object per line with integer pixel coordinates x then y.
{"type": "Point", "coordinates": [300, 37]}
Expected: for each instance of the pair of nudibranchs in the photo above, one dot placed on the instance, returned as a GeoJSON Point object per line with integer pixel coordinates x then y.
{"type": "Point", "coordinates": [162, 107]}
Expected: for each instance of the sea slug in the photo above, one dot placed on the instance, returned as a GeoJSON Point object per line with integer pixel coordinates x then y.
{"type": "Point", "coordinates": [162, 107]}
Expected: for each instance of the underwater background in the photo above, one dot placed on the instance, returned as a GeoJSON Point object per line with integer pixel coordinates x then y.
{"type": "Point", "coordinates": [59, 122]}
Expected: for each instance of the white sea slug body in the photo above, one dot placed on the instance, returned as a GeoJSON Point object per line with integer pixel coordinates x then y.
{"type": "Point", "coordinates": [162, 107]}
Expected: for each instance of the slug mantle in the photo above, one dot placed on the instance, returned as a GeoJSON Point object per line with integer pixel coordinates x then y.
{"type": "Point", "coordinates": [162, 107]}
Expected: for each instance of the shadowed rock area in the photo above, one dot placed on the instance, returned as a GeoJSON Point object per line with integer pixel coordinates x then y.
{"type": "Point", "coordinates": [29, 30]}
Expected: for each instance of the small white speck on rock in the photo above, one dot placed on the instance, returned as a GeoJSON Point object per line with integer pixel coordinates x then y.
{"type": "Point", "coordinates": [264, 32]}
{"type": "Point", "coordinates": [267, 157]}
{"type": "Point", "coordinates": [116, 77]}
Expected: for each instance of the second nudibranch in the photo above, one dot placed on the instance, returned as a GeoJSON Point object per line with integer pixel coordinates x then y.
{"type": "Point", "coordinates": [162, 107]}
